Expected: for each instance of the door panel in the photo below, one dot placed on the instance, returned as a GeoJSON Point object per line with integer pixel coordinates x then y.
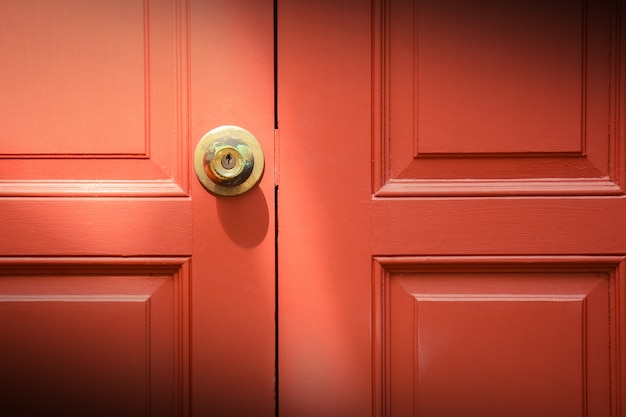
{"type": "Point", "coordinates": [95, 98]}
{"type": "Point", "coordinates": [461, 177]}
{"type": "Point", "coordinates": [495, 335]}
{"type": "Point", "coordinates": [107, 336]}
{"type": "Point", "coordinates": [125, 287]}
{"type": "Point", "coordinates": [514, 98]}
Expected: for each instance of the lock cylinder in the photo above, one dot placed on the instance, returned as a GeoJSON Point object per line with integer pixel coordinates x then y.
{"type": "Point", "coordinates": [228, 162]}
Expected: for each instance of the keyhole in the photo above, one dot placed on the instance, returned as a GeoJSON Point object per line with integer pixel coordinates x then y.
{"type": "Point", "coordinates": [228, 162]}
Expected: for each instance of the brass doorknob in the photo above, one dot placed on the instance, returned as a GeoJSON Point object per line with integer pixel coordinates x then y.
{"type": "Point", "coordinates": [228, 161]}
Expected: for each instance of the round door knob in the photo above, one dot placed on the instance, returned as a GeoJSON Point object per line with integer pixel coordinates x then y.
{"type": "Point", "coordinates": [228, 161]}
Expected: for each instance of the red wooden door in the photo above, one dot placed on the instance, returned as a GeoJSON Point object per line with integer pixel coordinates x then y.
{"type": "Point", "coordinates": [451, 197]}
{"type": "Point", "coordinates": [125, 288]}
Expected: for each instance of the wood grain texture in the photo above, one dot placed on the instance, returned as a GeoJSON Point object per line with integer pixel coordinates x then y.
{"type": "Point", "coordinates": [113, 226]}
{"type": "Point", "coordinates": [499, 226]}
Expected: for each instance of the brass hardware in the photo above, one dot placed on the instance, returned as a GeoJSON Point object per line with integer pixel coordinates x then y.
{"type": "Point", "coordinates": [228, 161]}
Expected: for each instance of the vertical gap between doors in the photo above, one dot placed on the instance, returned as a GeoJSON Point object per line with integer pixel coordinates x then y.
{"type": "Point", "coordinates": [275, 64]}
{"type": "Point", "coordinates": [276, 384]}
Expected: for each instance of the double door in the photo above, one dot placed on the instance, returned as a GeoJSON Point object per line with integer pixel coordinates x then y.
{"type": "Point", "coordinates": [438, 231]}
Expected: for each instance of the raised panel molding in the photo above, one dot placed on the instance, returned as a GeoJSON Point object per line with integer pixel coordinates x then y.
{"type": "Point", "coordinates": [464, 107]}
{"type": "Point", "coordinates": [477, 335]}
{"type": "Point", "coordinates": [130, 135]}
{"type": "Point", "coordinates": [113, 333]}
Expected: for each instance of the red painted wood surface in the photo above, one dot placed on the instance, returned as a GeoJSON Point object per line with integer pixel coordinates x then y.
{"type": "Point", "coordinates": [451, 208]}
{"type": "Point", "coordinates": [125, 288]}
{"type": "Point", "coordinates": [324, 327]}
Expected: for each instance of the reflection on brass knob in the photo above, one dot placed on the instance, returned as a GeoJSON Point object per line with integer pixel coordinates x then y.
{"type": "Point", "coordinates": [228, 161]}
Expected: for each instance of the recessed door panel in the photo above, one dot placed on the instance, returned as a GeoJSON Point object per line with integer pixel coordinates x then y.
{"type": "Point", "coordinates": [487, 336]}
{"type": "Point", "coordinates": [95, 98]}
{"type": "Point", "coordinates": [491, 99]}
{"type": "Point", "coordinates": [93, 337]}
